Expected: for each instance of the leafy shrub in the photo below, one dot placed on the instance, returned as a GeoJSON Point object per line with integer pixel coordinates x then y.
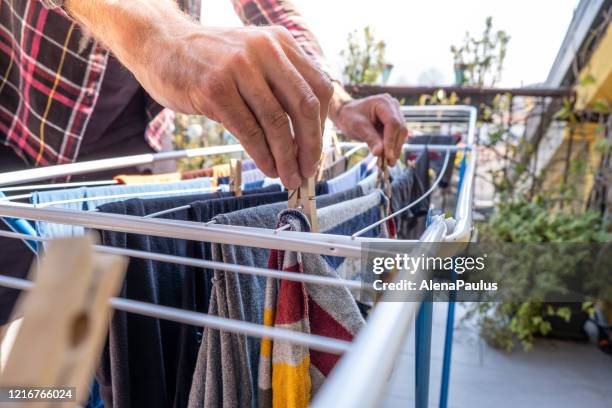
{"type": "Point", "coordinates": [503, 324]}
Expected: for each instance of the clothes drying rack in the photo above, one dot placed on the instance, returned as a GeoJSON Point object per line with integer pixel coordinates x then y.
{"type": "Point", "coordinates": [361, 376]}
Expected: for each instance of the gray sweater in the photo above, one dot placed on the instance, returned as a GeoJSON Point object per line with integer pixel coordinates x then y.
{"type": "Point", "coordinates": [226, 370]}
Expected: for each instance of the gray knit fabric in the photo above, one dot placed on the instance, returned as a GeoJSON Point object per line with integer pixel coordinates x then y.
{"type": "Point", "coordinates": [226, 370]}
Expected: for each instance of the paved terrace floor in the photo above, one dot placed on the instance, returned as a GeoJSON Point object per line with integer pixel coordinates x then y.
{"type": "Point", "coordinates": [555, 374]}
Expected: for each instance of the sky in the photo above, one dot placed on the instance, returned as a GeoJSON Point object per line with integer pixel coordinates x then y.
{"type": "Point", "coordinates": [419, 33]}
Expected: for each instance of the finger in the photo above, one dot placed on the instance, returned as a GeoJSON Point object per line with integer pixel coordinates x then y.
{"type": "Point", "coordinates": [236, 116]}
{"type": "Point", "coordinates": [388, 115]}
{"type": "Point", "coordinates": [275, 123]}
{"type": "Point", "coordinates": [368, 133]}
{"type": "Point", "coordinates": [303, 107]}
{"type": "Point", "coordinates": [316, 78]}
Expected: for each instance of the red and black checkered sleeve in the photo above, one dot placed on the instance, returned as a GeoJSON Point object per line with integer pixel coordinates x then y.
{"type": "Point", "coordinates": [52, 3]}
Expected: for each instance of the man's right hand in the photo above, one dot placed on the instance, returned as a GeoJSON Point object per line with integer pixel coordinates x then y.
{"type": "Point", "coordinates": [256, 81]}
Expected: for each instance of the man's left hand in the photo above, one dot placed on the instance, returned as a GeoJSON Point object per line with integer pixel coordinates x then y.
{"type": "Point", "coordinates": [375, 120]}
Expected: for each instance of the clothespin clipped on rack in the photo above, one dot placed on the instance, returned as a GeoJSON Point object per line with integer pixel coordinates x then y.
{"type": "Point", "coordinates": [236, 176]}
{"type": "Point", "coordinates": [329, 155]}
{"type": "Point", "coordinates": [304, 197]}
{"type": "Point", "coordinates": [335, 144]}
{"type": "Point", "coordinates": [384, 182]}
{"type": "Point", "coordinates": [64, 320]}
{"type": "Point", "coordinates": [321, 167]}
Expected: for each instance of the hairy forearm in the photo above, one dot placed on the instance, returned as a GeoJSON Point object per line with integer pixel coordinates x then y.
{"type": "Point", "coordinates": [127, 27]}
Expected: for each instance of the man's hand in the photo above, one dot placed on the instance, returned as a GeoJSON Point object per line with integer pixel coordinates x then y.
{"type": "Point", "coordinates": [376, 120]}
{"type": "Point", "coordinates": [256, 81]}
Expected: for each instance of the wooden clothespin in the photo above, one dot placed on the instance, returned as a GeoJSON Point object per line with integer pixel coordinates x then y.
{"type": "Point", "coordinates": [322, 162]}
{"type": "Point", "coordinates": [335, 144]}
{"type": "Point", "coordinates": [304, 197]}
{"type": "Point", "coordinates": [384, 182]}
{"type": "Point", "coordinates": [236, 176]}
{"type": "Point", "coordinates": [329, 154]}
{"type": "Point", "coordinates": [65, 319]}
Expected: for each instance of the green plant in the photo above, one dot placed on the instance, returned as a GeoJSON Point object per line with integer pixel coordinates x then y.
{"type": "Point", "coordinates": [479, 61]}
{"type": "Point", "coordinates": [364, 57]}
{"type": "Point", "coordinates": [523, 221]}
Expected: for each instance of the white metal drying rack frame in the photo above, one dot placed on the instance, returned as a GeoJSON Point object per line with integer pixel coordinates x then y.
{"type": "Point", "coordinates": [365, 367]}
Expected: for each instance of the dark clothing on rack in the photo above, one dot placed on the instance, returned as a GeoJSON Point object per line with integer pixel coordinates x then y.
{"type": "Point", "coordinates": [412, 229]}
{"type": "Point", "coordinates": [436, 158]}
{"type": "Point", "coordinates": [15, 261]}
{"type": "Point", "coordinates": [406, 189]}
{"type": "Point", "coordinates": [152, 356]}
{"type": "Point", "coordinates": [150, 362]}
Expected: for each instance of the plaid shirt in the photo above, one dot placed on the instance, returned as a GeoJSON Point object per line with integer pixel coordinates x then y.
{"type": "Point", "coordinates": [50, 75]}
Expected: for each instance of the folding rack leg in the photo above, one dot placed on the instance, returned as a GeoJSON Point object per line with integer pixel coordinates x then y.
{"type": "Point", "coordinates": [448, 347]}
{"type": "Point", "coordinates": [423, 353]}
{"type": "Point", "coordinates": [450, 321]}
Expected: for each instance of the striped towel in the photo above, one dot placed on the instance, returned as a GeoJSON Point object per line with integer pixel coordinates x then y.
{"type": "Point", "coordinates": [289, 374]}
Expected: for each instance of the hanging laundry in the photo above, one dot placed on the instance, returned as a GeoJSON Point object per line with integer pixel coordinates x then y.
{"type": "Point", "coordinates": [406, 188]}
{"type": "Point", "coordinates": [248, 164]}
{"type": "Point", "coordinates": [252, 175]}
{"type": "Point", "coordinates": [191, 174]}
{"type": "Point", "coordinates": [334, 169]}
{"type": "Point", "coordinates": [249, 176]}
{"type": "Point", "coordinates": [106, 194]}
{"type": "Point", "coordinates": [414, 228]}
{"type": "Point", "coordinates": [148, 178]}
{"type": "Point", "coordinates": [253, 184]}
{"type": "Point", "coordinates": [217, 171]}
{"type": "Point", "coordinates": [241, 297]}
{"type": "Point", "coordinates": [437, 158]}
{"type": "Point", "coordinates": [138, 345]}
{"type": "Point", "coordinates": [149, 362]}
{"type": "Point", "coordinates": [290, 373]}
{"type": "Point", "coordinates": [222, 170]}
{"type": "Point", "coordinates": [369, 183]}
{"type": "Point", "coordinates": [353, 176]}
{"type": "Point", "coordinates": [344, 181]}
{"type": "Point", "coordinates": [212, 368]}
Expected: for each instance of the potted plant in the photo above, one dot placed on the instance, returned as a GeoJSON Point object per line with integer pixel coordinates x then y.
{"type": "Point", "coordinates": [532, 223]}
